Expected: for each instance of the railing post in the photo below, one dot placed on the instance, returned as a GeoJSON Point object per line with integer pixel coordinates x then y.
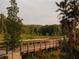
{"type": "Point", "coordinates": [49, 43]}
{"type": "Point", "coordinates": [53, 44]}
{"type": "Point", "coordinates": [40, 45]}
{"type": "Point", "coordinates": [45, 44]}
{"type": "Point", "coordinates": [27, 47]}
{"type": "Point", "coordinates": [56, 43]}
{"type": "Point", "coordinates": [34, 46]}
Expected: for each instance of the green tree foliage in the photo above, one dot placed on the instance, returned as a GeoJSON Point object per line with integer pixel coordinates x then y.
{"type": "Point", "coordinates": [30, 29]}
{"type": "Point", "coordinates": [13, 27]}
{"type": "Point", "coordinates": [69, 11]}
{"type": "Point", "coordinates": [2, 23]}
{"type": "Point", "coordinates": [50, 30]}
{"type": "Point", "coordinates": [42, 30]}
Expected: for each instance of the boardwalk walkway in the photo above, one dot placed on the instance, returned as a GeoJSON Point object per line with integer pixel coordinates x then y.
{"type": "Point", "coordinates": [36, 45]}
{"type": "Point", "coordinates": [28, 46]}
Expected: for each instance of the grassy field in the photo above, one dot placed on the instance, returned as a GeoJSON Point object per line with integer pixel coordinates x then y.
{"type": "Point", "coordinates": [29, 36]}
{"type": "Point", "coordinates": [1, 37]}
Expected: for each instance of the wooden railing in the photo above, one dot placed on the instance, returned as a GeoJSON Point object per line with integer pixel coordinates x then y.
{"type": "Point", "coordinates": [28, 46]}
{"type": "Point", "coordinates": [33, 46]}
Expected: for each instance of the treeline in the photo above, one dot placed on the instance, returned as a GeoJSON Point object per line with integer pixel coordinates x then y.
{"type": "Point", "coordinates": [46, 30]}
{"type": "Point", "coordinates": [41, 30]}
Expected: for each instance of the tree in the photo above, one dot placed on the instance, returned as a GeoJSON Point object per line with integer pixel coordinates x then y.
{"type": "Point", "coordinates": [69, 20]}
{"type": "Point", "coordinates": [2, 23]}
{"type": "Point", "coordinates": [13, 27]}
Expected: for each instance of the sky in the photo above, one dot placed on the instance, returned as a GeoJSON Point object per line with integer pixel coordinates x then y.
{"type": "Point", "coordinates": [40, 12]}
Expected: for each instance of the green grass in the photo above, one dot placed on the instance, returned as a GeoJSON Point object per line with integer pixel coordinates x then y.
{"type": "Point", "coordinates": [31, 36]}
{"type": "Point", "coordinates": [1, 37]}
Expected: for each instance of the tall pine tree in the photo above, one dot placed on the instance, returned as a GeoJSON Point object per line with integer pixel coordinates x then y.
{"type": "Point", "coordinates": [13, 27]}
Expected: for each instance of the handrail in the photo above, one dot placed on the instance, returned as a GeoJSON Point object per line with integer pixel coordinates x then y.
{"type": "Point", "coordinates": [29, 46]}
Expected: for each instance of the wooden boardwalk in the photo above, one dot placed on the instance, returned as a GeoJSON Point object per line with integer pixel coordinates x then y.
{"type": "Point", "coordinates": [28, 46]}
{"type": "Point", "coordinates": [36, 45]}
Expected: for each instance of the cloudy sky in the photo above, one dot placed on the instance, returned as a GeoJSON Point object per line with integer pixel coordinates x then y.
{"type": "Point", "coordinates": [34, 11]}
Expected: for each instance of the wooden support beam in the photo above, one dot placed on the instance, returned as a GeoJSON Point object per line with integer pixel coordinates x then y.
{"type": "Point", "coordinates": [34, 45]}
{"type": "Point", "coordinates": [49, 43]}
{"type": "Point", "coordinates": [40, 45]}
{"type": "Point", "coordinates": [45, 44]}
{"type": "Point", "coordinates": [27, 47]}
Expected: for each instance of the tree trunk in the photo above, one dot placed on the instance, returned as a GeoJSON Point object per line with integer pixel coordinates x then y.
{"type": "Point", "coordinates": [73, 43]}
{"type": "Point", "coordinates": [74, 39]}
